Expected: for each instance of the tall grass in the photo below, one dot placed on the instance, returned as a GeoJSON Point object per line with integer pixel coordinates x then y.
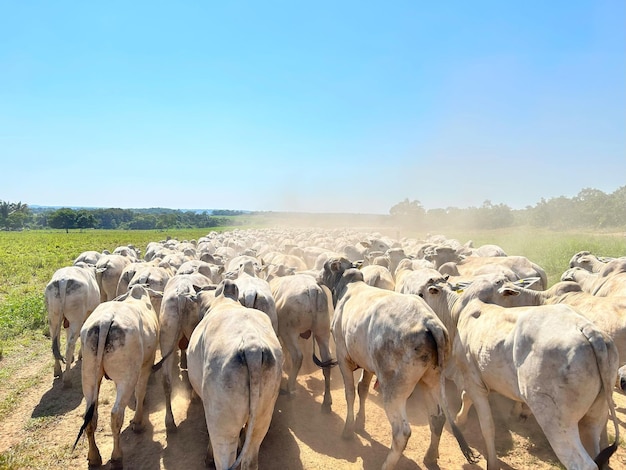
{"type": "Point", "coordinates": [29, 259]}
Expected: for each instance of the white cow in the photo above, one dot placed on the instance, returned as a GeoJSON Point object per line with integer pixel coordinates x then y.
{"type": "Point", "coordinates": [255, 292]}
{"type": "Point", "coordinates": [235, 367]}
{"type": "Point", "coordinates": [409, 278]}
{"type": "Point", "coordinates": [109, 269]}
{"type": "Point", "coordinates": [90, 257]}
{"type": "Point", "coordinates": [70, 296]}
{"type": "Point", "coordinates": [178, 317]}
{"type": "Point", "coordinates": [594, 263]}
{"type": "Point", "coordinates": [472, 266]}
{"type": "Point", "coordinates": [548, 357]}
{"type": "Point", "coordinates": [378, 276]}
{"type": "Point", "coordinates": [302, 309]}
{"type": "Point", "coordinates": [609, 281]}
{"type": "Point", "coordinates": [399, 339]}
{"type": "Point", "coordinates": [211, 271]}
{"type": "Point", "coordinates": [119, 342]}
{"type": "Point", "coordinates": [154, 277]}
{"type": "Point", "coordinates": [608, 313]}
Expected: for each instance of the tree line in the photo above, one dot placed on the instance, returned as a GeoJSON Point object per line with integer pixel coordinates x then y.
{"type": "Point", "coordinates": [18, 216]}
{"type": "Point", "coordinates": [589, 209]}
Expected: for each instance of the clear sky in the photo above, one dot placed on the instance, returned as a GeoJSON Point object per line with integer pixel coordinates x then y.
{"type": "Point", "coordinates": [325, 106]}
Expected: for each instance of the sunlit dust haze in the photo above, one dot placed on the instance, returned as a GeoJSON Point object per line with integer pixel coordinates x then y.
{"type": "Point", "coordinates": [341, 107]}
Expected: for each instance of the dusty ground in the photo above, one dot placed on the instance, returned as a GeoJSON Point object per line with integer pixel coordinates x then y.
{"type": "Point", "coordinates": [46, 420]}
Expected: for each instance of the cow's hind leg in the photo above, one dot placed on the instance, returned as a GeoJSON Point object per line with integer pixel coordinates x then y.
{"type": "Point", "coordinates": [593, 427]}
{"type": "Point", "coordinates": [140, 394]}
{"type": "Point", "coordinates": [436, 421]}
{"type": "Point", "coordinates": [567, 445]}
{"type": "Point", "coordinates": [72, 337]}
{"type": "Point", "coordinates": [363, 389]}
{"type": "Point", "coordinates": [395, 408]}
{"type": "Point", "coordinates": [94, 458]}
{"type": "Point", "coordinates": [561, 429]}
{"type": "Point", "coordinates": [291, 344]}
{"type": "Point", "coordinates": [169, 365]}
{"type": "Point", "coordinates": [55, 319]}
{"type": "Point", "coordinates": [322, 341]}
{"type": "Point", "coordinates": [480, 397]}
{"type": "Point", "coordinates": [348, 380]}
{"type": "Point", "coordinates": [124, 394]}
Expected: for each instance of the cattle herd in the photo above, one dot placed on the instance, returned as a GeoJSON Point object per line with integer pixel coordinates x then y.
{"type": "Point", "coordinates": [238, 312]}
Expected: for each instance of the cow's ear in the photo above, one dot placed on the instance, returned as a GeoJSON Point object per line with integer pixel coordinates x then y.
{"type": "Point", "coordinates": [230, 290]}
{"type": "Point", "coordinates": [155, 293]}
{"type": "Point", "coordinates": [190, 296]}
{"type": "Point", "coordinates": [433, 289]}
{"type": "Point", "coordinates": [508, 291]}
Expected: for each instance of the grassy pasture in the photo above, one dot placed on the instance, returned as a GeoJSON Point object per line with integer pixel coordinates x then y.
{"type": "Point", "coordinates": [29, 259]}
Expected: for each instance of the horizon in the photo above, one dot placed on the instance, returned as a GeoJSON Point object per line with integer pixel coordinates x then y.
{"type": "Point", "coordinates": [247, 211]}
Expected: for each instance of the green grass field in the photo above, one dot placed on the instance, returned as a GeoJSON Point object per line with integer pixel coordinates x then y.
{"type": "Point", "coordinates": [29, 259]}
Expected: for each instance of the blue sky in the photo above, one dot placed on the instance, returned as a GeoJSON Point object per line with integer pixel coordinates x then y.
{"type": "Point", "coordinates": [323, 106]}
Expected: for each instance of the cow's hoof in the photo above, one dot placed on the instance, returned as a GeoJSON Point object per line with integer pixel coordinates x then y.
{"type": "Point", "coordinates": [116, 464]}
{"type": "Point", "coordinates": [348, 435]}
{"type": "Point", "coordinates": [430, 459]}
{"type": "Point", "coordinates": [94, 463]}
{"type": "Point", "coordinates": [137, 428]}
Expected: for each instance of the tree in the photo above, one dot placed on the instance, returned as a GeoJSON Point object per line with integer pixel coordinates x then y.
{"type": "Point", "coordinates": [13, 215]}
{"type": "Point", "coordinates": [85, 219]}
{"type": "Point", "coordinates": [63, 219]}
{"type": "Point", "coordinates": [493, 216]}
{"type": "Point", "coordinates": [408, 212]}
{"type": "Point", "coordinates": [16, 220]}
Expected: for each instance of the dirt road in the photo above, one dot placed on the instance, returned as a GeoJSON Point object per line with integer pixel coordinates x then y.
{"type": "Point", "coordinates": [39, 433]}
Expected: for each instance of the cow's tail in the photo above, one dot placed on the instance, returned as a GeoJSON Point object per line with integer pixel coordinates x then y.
{"type": "Point", "coordinates": [92, 401]}
{"type": "Point", "coordinates": [61, 285]}
{"type": "Point", "coordinates": [442, 339]}
{"type": "Point", "coordinates": [601, 353]}
{"type": "Point", "coordinates": [180, 305]}
{"type": "Point", "coordinates": [320, 303]}
{"type": "Point", "coordinates": [318, 362]}
{"type": "Point", "coordinates": [253, 358]}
